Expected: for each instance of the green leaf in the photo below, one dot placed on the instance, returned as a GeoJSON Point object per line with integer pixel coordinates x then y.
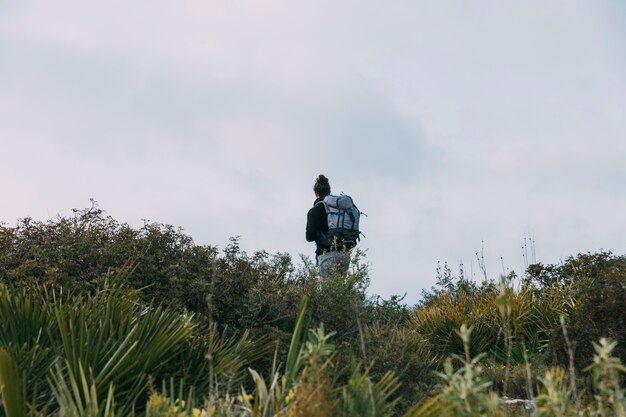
{"type": "Point", "coordinates": [10, 387]}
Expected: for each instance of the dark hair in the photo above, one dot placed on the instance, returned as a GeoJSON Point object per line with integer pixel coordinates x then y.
{"type": "Point", "coordinates": [321, 187]}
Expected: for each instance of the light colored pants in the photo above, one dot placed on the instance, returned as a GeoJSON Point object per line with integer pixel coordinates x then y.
{"type": "Point", "coordinates": [333, 263]}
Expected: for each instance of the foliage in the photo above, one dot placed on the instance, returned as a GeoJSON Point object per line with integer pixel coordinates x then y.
{"type": "Point", "coordinates": [230, 289]}
{"type": "Point", "coordinates": [595, 284]}
{"type": "Point", "coordinates": [115, 340]}
{"type": "Point", "coordinates": [303, 389]}
{"type": "Point", "coordinates": [465, 392]}
{"type": "Point", "coordinates": [530, 314]}
{"type": "Point", "coordinates": [10, 387]}
{"type": "Point", "coordinates": [74, 252]}
{"type": "Point", "coordinates": [609, 398]}
{"type": "Point", "coordinates": [439, 321]}
{"type": "Point", "coordinates": [78, 398]}
{"type": "Point", "coordinates": [362, 397]}
{"type": "Point", "coordinates": [97, 315]}
{"type": "Point", "coordinates": [406, 353]}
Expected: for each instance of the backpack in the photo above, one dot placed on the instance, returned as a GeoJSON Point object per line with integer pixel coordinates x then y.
{"type": "Point", "coordinates": [343, 222]}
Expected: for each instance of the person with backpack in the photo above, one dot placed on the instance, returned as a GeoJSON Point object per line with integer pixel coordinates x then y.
{"type": "Point", "coordinates": [333, 224]}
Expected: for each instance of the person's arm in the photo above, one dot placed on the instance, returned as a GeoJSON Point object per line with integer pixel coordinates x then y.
{"type": "Point", "coordinates": [312, 225]}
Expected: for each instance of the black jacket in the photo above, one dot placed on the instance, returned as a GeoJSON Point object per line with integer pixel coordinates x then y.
{"type": "Point", "coordinates": [315, 223]}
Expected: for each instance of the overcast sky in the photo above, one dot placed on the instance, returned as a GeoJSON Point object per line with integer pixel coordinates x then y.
{"type": "Point", "coordinates": [449, 122]}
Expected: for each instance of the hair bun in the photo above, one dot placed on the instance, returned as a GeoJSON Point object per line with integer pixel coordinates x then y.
{"type": "Point", "coordinates": [321, 187]}
{"type": "Point", "coordinates": [322, 179]}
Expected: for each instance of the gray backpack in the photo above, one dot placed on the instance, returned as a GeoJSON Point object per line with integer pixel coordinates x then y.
{"type": "Point", "coordinates": [343, 222]}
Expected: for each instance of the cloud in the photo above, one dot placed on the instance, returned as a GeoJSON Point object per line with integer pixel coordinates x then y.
{"type": "Point", "coordinates": [448, 123]}
{"type": "Point", "coordinates": [364, 135]}
{"type": "Point", "coordinates": [610, 16]}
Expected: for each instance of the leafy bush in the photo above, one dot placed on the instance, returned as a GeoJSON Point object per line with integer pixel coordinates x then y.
{"type": "Point", "coordinates": [596, 284]}
{"type": "Point", "coordinates": [74, 252]}
{"type": "Point", "coordinates": [88, 304]}
{"type": "Point", "coordinates": [260, 293]}
{"type": "Point", "coordinates": [340, 300]}
{"type": "Point", "coordinates": [519, 382]}
{"type": "Point", "coordinates": [401, 350]}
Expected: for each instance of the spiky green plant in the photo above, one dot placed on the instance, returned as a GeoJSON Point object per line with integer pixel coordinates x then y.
{"type": "Point", "coordinates": [272, 398]}
{"type": "Point", "coordinates": [211, 360]}
{"type": "Point", "coordinates": [118, 340]}
{"type": "Point", "coordinates": [25, 333]}
{"type": "Point", "coordinates": [492, 312]}
{"type": "Point", "coordinates": [363, 397]}
{"type": "Point", "coordinates": [11, 393]}
{"type": "Point", "coordinates": [439, 322]}
{"type": "Point", "coordinates": [115, 340]}
{"type": "Point", "coordinates": [77, 397]}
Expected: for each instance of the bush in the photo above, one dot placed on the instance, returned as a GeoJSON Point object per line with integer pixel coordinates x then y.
{"type": "Point", "coordinates": [74, 252]}
{"type": "Point", "coordinates": [596, 283]}
{"type": "Point", "coordinates": [518, 379]}
{"type": "Point", "coordinates": [401, 350]}
{"type": "Point", "coordinates": [58, 302]}
{"type": "Point", "coordinates": [530, 314]}
{"type": "Point", "coordinates": [229, 291]}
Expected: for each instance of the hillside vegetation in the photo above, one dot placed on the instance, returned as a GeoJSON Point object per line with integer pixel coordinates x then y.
{"type": "Point", "coordinates": [102, 319]}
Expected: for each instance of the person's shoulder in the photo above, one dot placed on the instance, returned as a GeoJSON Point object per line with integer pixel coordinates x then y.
{"type": "Point", "coordinates": [317, 204]}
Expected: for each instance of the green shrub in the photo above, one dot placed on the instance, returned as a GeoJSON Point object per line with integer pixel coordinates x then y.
{"type": "Point", "coordinates": [530, 314]}
{"type": "Point", "coordinates": [339, 301]}
{"type": "Point", "coordinates": [518, 379]}
{"type": "Point", "coordinates": [75, 252]}
{"type": "Point", "coordinates": [404, 352]}
{"type": "Point", "coordinates": [439, 321]}
{"type": "Point", "coordinates": [464, 392]}
{"type": "Point", "coordinates": [596, 284]}
{"type": "Point", "coordinates": [88, 298]}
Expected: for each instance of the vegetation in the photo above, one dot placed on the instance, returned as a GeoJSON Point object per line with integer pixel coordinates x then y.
{"type": "Point", "coordinates": [101, 319]}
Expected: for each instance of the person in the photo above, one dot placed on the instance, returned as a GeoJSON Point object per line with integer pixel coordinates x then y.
{"type": "Point", "coordinates": [329, 260]}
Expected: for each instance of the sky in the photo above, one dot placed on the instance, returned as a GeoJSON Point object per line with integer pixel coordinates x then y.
{"type": "Point", "coordinates": [457, 127]}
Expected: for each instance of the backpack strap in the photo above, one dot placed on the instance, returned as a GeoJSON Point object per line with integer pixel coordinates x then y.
{"type": "Point", "coordinates": [323, 201]}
